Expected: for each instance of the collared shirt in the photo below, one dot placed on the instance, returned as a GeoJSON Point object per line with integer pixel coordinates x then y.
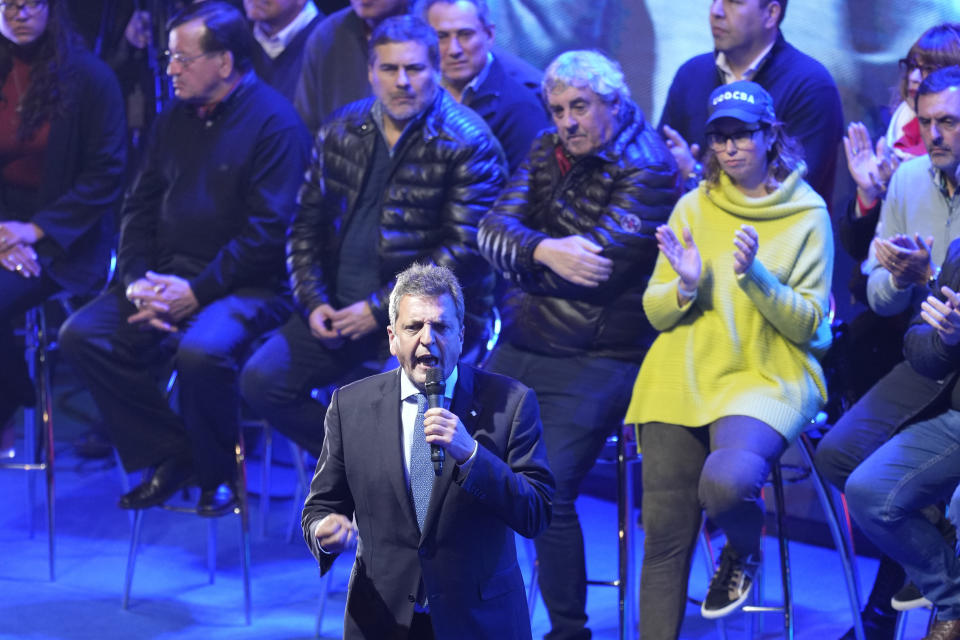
{"type": "Point", "coordinates": [478, 79]}
{"type": "Point", "coordinates": [728, 74]}
{"type": "Point", "coordinates": [274, 45]}
{"type": "Point", "coordinates": [408, 411]}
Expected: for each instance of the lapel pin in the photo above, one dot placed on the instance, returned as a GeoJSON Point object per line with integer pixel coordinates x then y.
{"type": "Point", "coordinates": [473, 412]}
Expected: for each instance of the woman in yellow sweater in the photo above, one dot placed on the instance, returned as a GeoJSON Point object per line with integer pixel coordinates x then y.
{"type": "Point", "coordinates": [741, 304]}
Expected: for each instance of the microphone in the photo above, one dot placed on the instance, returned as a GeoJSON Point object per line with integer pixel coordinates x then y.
{"type": "Point", "coordinates": [435, 387]}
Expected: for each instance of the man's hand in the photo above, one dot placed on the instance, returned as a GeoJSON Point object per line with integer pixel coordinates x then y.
{"type": "Point", "coordinates": [685, 260]}
{"type": "Point", "coordinates": [445, 429]}
{"type": "Point", "coordinates": [321, 327]}
{"type": "Point", "coordinates": [575, 259]}
{"type": "Point", "coordinates": [137, 31]}
{"type": "Point", "coordinates": [354, 321]}
{"type": "Point", "coordinates": [13, 233]}
{"type": "Point", "coordinates": [174, 296]}
{"type": "Point", "coordinates": [943, 316]}
{"type": "Point", "coordinates": [336, 533]}
{"type": "Point", "coordinates": [747, 242]}
{"type": "Point", "coordinates": [871, 168]}
{"type": "Point", "coordinates": [685, 155]}
{"type": "Point", "coordinates": [143, 294]}
{"type": "Point", "coordinates": [20, 259]}
{"type": "Point", "coordinates": [907, 259]}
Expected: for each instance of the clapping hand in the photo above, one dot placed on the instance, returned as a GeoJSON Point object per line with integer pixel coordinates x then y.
{"type": "Point", "coordinates": [944, 316]}
{"type": "Point", "coordinates": [870, 167]}
{"type": "Point", "coordinates": [685, 260]}
{"type": "Point", "coordinates": [907, 259]}
{"type": "Point", "coordinates": [747, 242]}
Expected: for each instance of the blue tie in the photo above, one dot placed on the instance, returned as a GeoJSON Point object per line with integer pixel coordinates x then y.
{"type": "Point", "coordinates": [421, 468]}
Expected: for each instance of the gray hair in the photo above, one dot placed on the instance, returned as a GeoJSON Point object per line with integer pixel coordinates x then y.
{"type": "Point", "coordinates": [582, 69]}
{"type": "Point", "coordinates": [422, 7]}
{"type": "Point", "coordinates": [426, 280]}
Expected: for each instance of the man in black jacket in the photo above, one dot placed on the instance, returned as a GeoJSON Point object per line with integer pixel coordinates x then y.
{"type": "Point", "coordinates": [573, 234]}
{"type": "Point", "coordinates": [200, 263]}
{"type": "Point", "coordinates": [400, 178]}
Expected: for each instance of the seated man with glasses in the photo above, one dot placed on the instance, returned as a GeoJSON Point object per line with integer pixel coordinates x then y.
{"type": "Point", "coordinates": [200, 270]}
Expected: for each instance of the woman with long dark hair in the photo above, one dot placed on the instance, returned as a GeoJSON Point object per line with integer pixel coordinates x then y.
{"type": "Point", "coordinates": [741, 303]}
{"type": "Point", "coordinates": [62, 155]}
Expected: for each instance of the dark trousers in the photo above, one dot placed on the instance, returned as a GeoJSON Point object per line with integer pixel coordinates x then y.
{"type": "Point", "coordinates": [719, 469]}
{"type": "Point", "coordinates": [17, 295]}
{"type": "Point", "coordinates": [582, 400]}
{"type": "Point", "coordinates": [116, 361]}
{"type": "Point", "coordinates": [277, 380]}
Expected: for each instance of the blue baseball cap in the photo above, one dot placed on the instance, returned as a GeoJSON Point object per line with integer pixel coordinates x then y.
{"type": "Point", "coordinates": [742, 100]}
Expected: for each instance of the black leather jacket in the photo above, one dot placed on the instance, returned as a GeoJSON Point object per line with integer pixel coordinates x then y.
{"type": "Point", "coordinates": [615, 197]}
{"type": "Point", "coordinates": [451, 172]}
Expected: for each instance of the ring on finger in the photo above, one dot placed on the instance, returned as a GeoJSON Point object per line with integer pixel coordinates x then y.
{"type": "Point", "coordinates": [18, 268]}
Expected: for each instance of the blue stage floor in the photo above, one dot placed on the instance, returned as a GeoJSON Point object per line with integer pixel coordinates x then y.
{"type": "Point", "coordinates": [172, 597]}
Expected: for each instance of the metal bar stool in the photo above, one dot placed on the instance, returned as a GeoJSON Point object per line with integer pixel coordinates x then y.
{"type": "Point", "coordinates": [242, 510]}
{"type": "Point", "coordinates": [627, 455]}
{"type": "Point", "coordinates": [841, 535]}
{"type": "Point", "coordinates": [38, 423]}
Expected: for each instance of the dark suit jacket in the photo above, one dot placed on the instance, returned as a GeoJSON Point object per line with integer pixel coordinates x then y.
{"type": "Point", "coordinates": [509, 100]}
{"type": "Point", "coordinates": [466, 554]}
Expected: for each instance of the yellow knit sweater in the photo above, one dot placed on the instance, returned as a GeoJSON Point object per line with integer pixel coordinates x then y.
{"type": "Point", "coordinates": [744, 345]}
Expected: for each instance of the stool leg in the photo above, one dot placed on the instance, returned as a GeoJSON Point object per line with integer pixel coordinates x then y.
{"type": "Point", "coordinates": [243, 510]}
{"type": "Point", "coordinates": [31, 418]}
{"type": "Point", "coordinates": [324, 592]}
{"type": "Point", "coordinates": [132, 556]}
{"type": "Point", "coordinates": [299, 494]}
{"type": "Point", "coordinates": [626, 593]}
{"type": "Point", "coordinates": [785, 570]}
{"type": "Point", "coordinates": [901, 627]}
{"type": "Point", "coordinates": [211, 550]}
{"type": "Point", "coordinates": [840, 541]}
{"type": "Point", "coordinates": [266, 467]}
{"type": "Point", "coordinates": [45, 427]}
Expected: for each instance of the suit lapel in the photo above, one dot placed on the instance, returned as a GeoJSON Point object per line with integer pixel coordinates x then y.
{"type": "Point", "coordinates": [385, 408]}
{"type": "Point", "coordinates": [467, 408]}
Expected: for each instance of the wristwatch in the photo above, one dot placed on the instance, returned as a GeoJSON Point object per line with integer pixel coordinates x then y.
{"type": "Point", "coordinates": [693, 178]}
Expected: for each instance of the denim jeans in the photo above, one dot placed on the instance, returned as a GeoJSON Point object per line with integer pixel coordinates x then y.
{"type": "Point", "coordinates": [917, 467]}
{"type": "Point", "coordinates": [582, 400]}
{"type": "Point", "coordinates": [719, 469]}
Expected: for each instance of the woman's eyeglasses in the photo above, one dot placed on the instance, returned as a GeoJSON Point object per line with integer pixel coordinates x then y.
{"type": "Point", "coordinates": [742, 138]}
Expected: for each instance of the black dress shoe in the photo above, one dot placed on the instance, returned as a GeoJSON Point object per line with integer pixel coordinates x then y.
{"type": "Point", "coordinates": [170, 476]}
{"type": "Point", "coordinates": [217, 502]}
{"type": "Point", "coordinates": [877, 625]}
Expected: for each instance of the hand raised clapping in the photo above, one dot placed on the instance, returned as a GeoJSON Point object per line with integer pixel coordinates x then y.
{"type": "Point", "coordinates": [944, 316]}
{"type": "Point", "coordinates": [684, 258]}
{"type": "Point", "coordinates": [747, 242]}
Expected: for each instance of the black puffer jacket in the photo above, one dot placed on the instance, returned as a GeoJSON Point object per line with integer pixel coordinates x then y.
{"type": "Point", "coordinates": [451, 171]}
{"type": "Point", "coordinates": [616, 197]}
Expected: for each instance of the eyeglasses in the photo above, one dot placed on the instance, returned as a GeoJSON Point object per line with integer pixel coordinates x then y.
{"type": "Point", "coordinates": [13, 9]}
{"type": "Point", "coordinates": [907, 65]}
{"type": "Point", "coordinates": [182, 60]}
{"type": "Point", "coordinates": [742, 138]}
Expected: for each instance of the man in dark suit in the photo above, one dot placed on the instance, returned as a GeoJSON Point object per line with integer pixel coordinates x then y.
{"type": "Point", "coordinates": [502, 88]}
{"type": "Point", "coordinates": [436, 555]}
